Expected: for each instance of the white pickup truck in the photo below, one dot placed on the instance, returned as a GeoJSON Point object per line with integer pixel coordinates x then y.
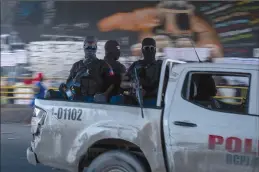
{"type": "Point", "coordinates": [180, 134]}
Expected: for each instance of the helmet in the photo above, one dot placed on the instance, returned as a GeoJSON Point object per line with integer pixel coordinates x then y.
{"type": "Point", "coordinates": [90, 45]}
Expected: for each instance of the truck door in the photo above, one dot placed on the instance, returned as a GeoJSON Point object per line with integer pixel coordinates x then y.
{"type": "Point", "coordinates": [210, 132]}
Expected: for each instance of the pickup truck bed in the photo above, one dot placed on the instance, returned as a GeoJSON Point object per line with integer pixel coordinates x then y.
{"type": "Point", "coordinates": [111, 121]}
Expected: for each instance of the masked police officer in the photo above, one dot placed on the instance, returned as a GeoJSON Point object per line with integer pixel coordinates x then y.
{"type": "Point", "coordinates": [148, 71]}
{"type": "Point", "coordinates": [86, 76]}
{"type": "Point", "coordinates": [112, 54]}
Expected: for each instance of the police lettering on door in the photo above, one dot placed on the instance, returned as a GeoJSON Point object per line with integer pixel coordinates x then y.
{"type": "Point", "coordinates": [72, 114]}
{"type": "Point", "coordinates": [238, 151]}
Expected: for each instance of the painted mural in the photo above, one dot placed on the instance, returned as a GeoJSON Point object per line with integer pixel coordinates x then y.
{"type": "Point", "coordinates": [171, 23]}
{"type": "Point", "coordinates": [230, 28]}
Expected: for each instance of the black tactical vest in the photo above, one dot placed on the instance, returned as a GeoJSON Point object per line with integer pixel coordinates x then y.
{"type": "Point", "coordinates": [91, 81]}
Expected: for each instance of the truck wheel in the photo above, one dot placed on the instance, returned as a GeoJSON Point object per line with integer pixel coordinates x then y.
{"type": "Point", "coordinates": [116, 161]}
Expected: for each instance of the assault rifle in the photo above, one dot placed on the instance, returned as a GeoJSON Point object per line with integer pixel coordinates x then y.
{"type": "Point", "coordinates": [138, 91]}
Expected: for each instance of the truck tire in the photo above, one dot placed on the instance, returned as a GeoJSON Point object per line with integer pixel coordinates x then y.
{"type": "Point", "coordinates": [115, 160]}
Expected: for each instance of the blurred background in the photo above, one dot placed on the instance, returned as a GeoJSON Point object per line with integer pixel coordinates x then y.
{"type": "Point", "coordinates": [46, 36]}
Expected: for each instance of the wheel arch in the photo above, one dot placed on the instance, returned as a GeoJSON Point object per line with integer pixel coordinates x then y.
{"type": "Point", "coordinates": [108, 144]}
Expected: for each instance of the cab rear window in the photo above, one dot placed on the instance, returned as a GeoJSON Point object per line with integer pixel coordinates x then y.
{"type": "Point", "coordinates": [226, 92]}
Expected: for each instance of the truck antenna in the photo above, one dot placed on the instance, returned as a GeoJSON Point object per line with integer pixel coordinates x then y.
{"type": "Point", "coordinates": [193, 46]}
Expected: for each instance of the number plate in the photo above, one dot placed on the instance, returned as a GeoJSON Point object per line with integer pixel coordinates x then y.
{"type": "Point", "coordinates": [72, 114]}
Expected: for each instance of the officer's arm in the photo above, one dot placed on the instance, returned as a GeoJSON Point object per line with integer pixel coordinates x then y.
{"type": "Point", "coordinates": [72, 73]}
{"type": "Point", "coordinates": [106, 76]}
{"type": "Point", "coordinates": [107, 92]}
{"type": "Point", "coordinates": [130, 70]}
{"type": "Point", "coordinates": [104, 70]}
{"type": "Point", "coordinates": [123, 72]}
{"type": "Point", "coordinates": [123, 68]}
{"type": "Point", "coordinates": [126, 83]}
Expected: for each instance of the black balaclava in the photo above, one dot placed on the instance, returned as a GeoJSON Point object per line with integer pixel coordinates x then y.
{"type": "Point", "coordinates": [149, 50]}
{"type": "Point", "coordinates": [112, 50]}
{"type": "Point", "coordinates": [90, 47]}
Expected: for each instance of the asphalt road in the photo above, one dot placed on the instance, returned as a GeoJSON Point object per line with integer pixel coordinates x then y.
{"type": "Point", "coordinates": [15, 138]}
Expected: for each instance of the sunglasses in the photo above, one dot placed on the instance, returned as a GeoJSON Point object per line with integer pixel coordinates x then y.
{"type": "Point", "coordinates": [149, 48]}
{"type": "Point", "coordinates": [90, 46]}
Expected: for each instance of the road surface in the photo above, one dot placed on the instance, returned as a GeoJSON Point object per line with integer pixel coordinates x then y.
{"type": "Point", "coordinates": [15, 138]}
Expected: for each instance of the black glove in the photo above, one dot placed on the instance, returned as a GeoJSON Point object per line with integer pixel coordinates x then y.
{"type": "Point", "coordinates": [62, 87]}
